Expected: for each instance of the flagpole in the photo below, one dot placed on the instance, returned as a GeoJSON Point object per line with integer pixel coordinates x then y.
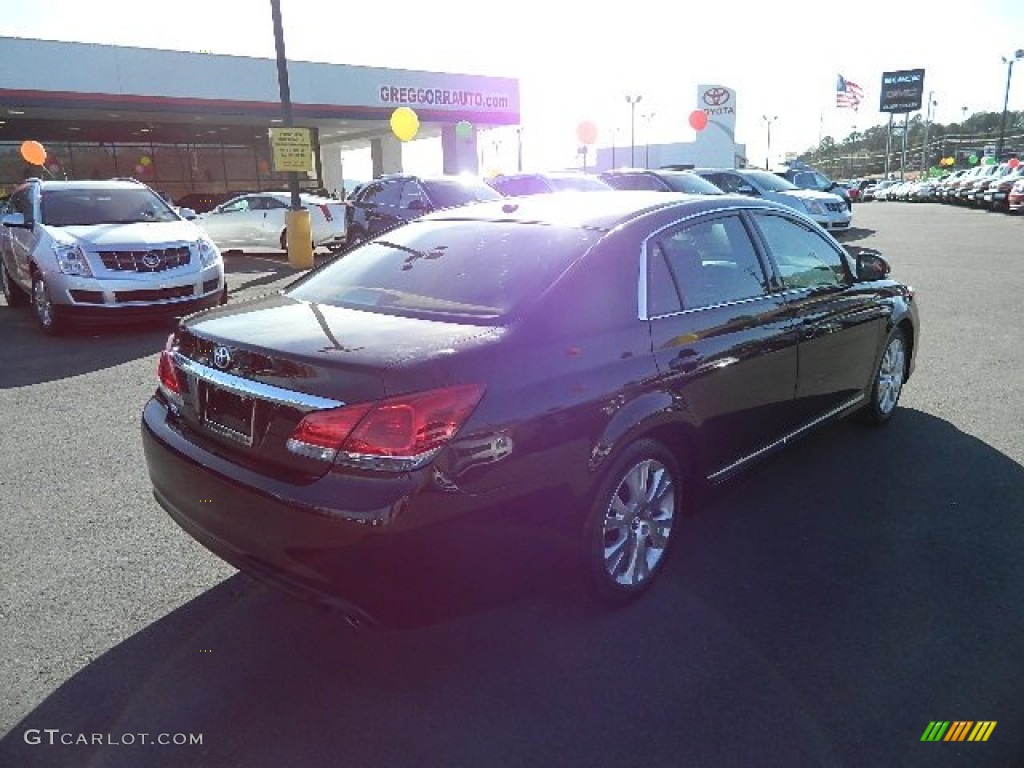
{"type": "Point", "coordinates": [903, 157]}
{"type": "Point", "coordinates": [888, 146]}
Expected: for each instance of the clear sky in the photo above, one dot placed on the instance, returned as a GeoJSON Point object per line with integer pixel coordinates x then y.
{"type": "Point", "coordinates": [578, 60]}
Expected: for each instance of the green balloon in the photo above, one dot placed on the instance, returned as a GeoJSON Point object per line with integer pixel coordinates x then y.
{"type": "Point", "coordinates": [990, 160]}
{"type": "Point", "coordinates": [972, 159]}
{"type": "Point", "coordinates": [464, 129]}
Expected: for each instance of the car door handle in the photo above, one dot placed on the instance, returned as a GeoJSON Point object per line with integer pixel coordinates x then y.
{"type": "Point", "coordinates": [686, 361]}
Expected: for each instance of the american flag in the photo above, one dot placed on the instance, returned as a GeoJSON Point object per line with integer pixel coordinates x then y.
{"type": "Point", "coordinates": [848, 93]}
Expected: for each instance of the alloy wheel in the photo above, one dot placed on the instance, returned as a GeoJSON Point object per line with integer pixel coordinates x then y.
{"type": "Point", "coordinates": [638, 523]}
{"type": "Point", "coordinates": [890, 375]}
{"type": "Point", "coordinates": [41, 303]}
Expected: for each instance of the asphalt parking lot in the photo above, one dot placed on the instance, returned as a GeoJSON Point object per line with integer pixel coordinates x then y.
{"type": "Point", "coordinates": [821, 611]}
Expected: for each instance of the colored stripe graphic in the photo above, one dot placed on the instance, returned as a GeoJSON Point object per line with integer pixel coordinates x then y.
{"type": "Point", "coordinates": [958, 730]}
{"type": "Point", "coordinates": [935, 731]}
{"type": "Point", "coordinates": [982, 730]}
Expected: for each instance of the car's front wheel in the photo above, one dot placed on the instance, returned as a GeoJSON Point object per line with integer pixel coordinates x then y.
{"type": "Point", "coordinates": [631, 521]}
{"type": "Point", "coordinates": [48, 315]}
{"type": "Point", "coordinates": [14, 296]}
{"type": "Point", "coordinates": [888, 382]}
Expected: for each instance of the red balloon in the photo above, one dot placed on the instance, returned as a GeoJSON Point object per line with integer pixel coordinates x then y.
{"type": "Point", "coordinates": [698, 119]}
{"type": "Point", "coordinates": [586, 132]}
{"type": "Point", "coordinates": [1013, 162]}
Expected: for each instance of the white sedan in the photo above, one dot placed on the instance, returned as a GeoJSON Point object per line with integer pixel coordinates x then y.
{"type": "Point", "coordinates": [256, 222]}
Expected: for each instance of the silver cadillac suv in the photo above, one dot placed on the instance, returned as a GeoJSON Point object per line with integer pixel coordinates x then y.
{"type": "Point", "coordinates": [103, 250]}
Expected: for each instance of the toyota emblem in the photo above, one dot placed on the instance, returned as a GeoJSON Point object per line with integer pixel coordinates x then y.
{"type": "Point", "coordinates": [221, 357]}
{"type": "Point", "coordinates": [716, 97]}
{"type": "Point", "coordinates": [151, 259]}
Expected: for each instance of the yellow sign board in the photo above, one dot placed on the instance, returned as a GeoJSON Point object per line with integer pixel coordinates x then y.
{"type": "Point", "coordinates": [292, 149]}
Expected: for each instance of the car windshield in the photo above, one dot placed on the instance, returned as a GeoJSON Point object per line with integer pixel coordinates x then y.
{"type": "Point", "coordinates": [690, 183]}
{"type": "Point", "coordinates": [474, 270]}
{"type": "Point", "coordinates": [577, 183]}
{"type": "Point", "coordinates": [82, 207]}
{"type": "Point", "coordinates": [446, 194]}
{"type": "Point", "coordinates": [769, 181]}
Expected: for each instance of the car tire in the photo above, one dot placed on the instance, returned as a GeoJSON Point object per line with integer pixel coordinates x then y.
{"type": "Point", "coordinates": [13, 294]}
{"type": "Point", "coordinates": [890, 375]}
{"type": "Point", "coordinates": [284, 242]}
{"type": "Point", "coordinates": [48, 315]}
{"type": "Point", "coordinates": [631, 521]}
{"type": "Point", "coordinates": [355, 237]}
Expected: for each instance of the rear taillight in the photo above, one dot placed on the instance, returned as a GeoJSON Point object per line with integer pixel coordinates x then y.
{"type": "Point", "coordinates": [326, 210]}
{"type": "Point", "coordinates": [170, 384]}
{"type": "Point", "coordinates": [396, 434]}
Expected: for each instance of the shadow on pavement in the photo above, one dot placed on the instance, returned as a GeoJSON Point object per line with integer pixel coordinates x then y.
{"type": "Point", "coordinates": [29, 357]}
{"type": "Point", "coordinates": [806, 618]}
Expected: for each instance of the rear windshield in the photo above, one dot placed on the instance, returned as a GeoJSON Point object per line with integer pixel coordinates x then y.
{"type": "Point", "coordinates": [477, 270]}
{"type": "Point", "coordinates": [446, 194]}
{"type": "Point", "coordinates": [690, 183]}
{"type": "Point", "coordinates": [71, 207]}
{"type": "Point", "coordinates": [578, 184]}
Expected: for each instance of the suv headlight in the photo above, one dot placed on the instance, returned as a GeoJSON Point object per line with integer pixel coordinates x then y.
{"type": "Point", "coordinates": [813, 207]}
{"type": "Point", "coordinates": [208, 253]}
{"type": "Point", "coordinates": [71, 259]}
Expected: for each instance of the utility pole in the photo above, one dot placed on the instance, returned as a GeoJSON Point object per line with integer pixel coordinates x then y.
{"type": "Point", "coordinates": [1017, 56]}
{"type": "Point", "coordinates": [927, 127]}
{"type": "Point", "coordinates": [297, 224]}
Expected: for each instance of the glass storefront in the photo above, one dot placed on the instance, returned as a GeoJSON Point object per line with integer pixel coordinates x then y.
{"type": "Point", "coordinates": [174, 170]}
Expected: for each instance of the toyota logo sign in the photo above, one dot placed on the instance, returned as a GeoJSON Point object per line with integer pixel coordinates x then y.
{"type": "Point", "coordinates": [221, 357]}
{"type": "Point", "coordinates": [151, 259]}
{"type": "Point", "coordinates": [716, 97]}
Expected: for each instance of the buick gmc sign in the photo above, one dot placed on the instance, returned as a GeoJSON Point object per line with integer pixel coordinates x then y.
{"type": "Point", "coordinates": [902, 91]}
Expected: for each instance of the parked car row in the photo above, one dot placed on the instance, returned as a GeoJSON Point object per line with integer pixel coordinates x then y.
{"type": "Point", "coordinates": [394, 199]}
{"type": "Point", "coordinates": [993, 187]}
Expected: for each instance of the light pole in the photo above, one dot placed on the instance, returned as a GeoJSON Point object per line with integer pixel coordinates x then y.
{"type": "Point", "coordinates": [1017, 56]}
{"type": "Point", "coordinates": [767, 153]}
{"type": "Point", "coordinates": [632, 100]}
{"type": "Point", "coordinates": [927, 126]}
{"type": "Point", "coordinates": [647, 138]}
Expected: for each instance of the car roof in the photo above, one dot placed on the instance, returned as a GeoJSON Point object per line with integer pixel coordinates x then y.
{"type": "Point", "coordinates": [50, 184]}
{"type": "Point", "coordinates": [638, 171]}
{"type": "Point", "coordinates": [595, 210]}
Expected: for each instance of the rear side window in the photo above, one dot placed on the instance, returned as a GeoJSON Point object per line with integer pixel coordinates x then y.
{"type": "Point", "coordinates": [479, 271]}
{"type": "Point", "coordinates": [703, 264]}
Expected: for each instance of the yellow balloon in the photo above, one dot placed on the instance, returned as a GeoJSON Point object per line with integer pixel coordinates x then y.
{"type": "Point", "coordinates": [404, 123]}
{"type": "Point", "coordinates": [145, 160]}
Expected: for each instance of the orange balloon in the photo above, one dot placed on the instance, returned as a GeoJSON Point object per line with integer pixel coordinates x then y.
{"type": "Point", "coordinates": [33, 152]}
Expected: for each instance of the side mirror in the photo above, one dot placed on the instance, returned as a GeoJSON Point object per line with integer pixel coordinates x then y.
{"type": "Point", "coordinates": [16, 220]}
{"type": "Point", "coordinates": [871, 266]}
{"type": "Point", "coordinates": [187, 213]}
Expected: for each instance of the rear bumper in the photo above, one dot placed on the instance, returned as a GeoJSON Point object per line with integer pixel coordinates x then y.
{"type": "Point", "coordinates": [337, 540]}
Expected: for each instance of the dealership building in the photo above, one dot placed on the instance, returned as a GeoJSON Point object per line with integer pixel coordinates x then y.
{"type": "Point", "coordinates": [199, 122]}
